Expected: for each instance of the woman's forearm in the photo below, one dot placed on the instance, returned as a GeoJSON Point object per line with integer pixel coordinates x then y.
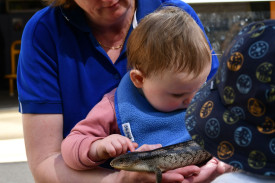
{"type": "Point", "coordinates": [43, 137]}
{"type": "Point", "coordinates": [54, 170]}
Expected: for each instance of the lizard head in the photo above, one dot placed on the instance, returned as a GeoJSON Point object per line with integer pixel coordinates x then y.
{"type": "Point", "coordinates": [130, 161]}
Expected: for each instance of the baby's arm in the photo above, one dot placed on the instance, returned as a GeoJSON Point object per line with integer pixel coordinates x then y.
{"type": "Point", "coordinates": [98, 124]}
{"type": "Point", "coordinates": [110, 146]}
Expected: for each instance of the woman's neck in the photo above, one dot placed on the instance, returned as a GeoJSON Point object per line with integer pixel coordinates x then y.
{"type": "Point", "coordinates": [111, 37]}
{"type": "Point", "coordinates": [115, 33]}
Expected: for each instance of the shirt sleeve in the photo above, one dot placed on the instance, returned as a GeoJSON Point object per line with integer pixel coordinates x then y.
{"type": "Point", "coordinates": [99, 123]}
{"type": "Point", "coordinates": [37, 73]}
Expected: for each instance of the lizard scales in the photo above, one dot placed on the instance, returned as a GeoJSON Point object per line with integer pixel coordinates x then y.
{"type": "Point", "coordinates": [162, 159]}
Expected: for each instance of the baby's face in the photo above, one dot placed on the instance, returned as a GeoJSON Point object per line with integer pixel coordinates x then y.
{"type": "Point", "coordinates": [171, 90]}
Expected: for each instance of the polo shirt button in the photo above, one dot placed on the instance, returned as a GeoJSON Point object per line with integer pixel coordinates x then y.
{"type": "Point", "coordinates": [117, 76]}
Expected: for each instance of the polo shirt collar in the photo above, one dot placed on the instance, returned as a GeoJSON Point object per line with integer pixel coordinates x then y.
{"type": "Point", "coordinates": [76, 17]}
{"type": "Point", "coordinates": [147, 7]}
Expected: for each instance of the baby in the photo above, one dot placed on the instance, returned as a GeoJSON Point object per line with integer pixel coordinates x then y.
{"type": "Point", "coordinates": [169, 60]}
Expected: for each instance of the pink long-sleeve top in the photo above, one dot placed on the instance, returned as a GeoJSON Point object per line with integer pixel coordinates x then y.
{"type": "Point", "coordinates": [99, 123]}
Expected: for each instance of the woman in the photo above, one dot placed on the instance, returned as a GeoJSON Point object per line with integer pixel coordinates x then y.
{"type": "Point", "coordinates": [72, 53]}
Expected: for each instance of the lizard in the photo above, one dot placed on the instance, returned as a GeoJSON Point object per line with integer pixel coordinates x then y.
{"type": "Point", "coordinates": [162, 159]}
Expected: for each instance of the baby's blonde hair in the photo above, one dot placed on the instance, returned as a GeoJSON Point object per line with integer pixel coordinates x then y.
{"type": "Point", "coordinates": [168, 38]}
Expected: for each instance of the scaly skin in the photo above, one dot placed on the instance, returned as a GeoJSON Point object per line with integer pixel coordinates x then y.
{"type": "Point", "coordinates": [162, 159]}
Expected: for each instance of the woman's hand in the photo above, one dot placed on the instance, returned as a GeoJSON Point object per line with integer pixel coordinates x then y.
{"type": "Point", "coordinates": [212, 169]}
{"type": "Point", "coordinates": [189, 174]}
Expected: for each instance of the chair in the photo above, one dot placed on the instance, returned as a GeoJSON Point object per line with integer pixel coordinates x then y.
{"type": "Point", "coordinates": [14, 50]}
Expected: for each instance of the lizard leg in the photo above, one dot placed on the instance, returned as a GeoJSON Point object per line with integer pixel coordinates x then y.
{"type": "Point", "coordinates": [158, 175]}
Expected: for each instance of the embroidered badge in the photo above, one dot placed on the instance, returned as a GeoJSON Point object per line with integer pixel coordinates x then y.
{"type": "Point", "coordinates": [225, 150]}
{"type": "Point", "coordinates": [258, 50]}
{"type": "Point", "coordinates": [256, 159]}
{"type": "Point", "coordinates": [206, 109]}
{"type": "Point", "coordinates": [234, 115]}
{"type": "Point", "coordinates": [212, 128]}
{"type": "Point", "coordinates": [229, 95]}
{"type": "Point", "coordinates": [244, 83]}
{"type": "Point", "coordinates": [267, 127]}
{"type": "Point", "coordinates": [256, 107]}
{"type": "Point", "coordinates": [238, 111]}
{"type": "Point", "coordinates": [264, 72]}
{"type": "Point", "coordinates": [260, 27]}
{"type": "Point", "coordinates": [243, 136]}
{"type": "Point", "coordinates": [235, 62]}
{"type": "Point", "coordinates": [230, 118]}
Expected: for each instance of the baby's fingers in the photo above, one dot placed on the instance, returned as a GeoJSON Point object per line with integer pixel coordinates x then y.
{"type": "Point", "coordinates": [127, 145]}
{"type": "Point", "coordinates": [113, 149]}
{"type": "Point", "coordinates": [118, 146]}
{"type": "Point", "coordinates": [132, 145]}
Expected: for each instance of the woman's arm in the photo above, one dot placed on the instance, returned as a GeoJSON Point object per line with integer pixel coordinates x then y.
{"type": "Point", "coordinates": [43, 137]}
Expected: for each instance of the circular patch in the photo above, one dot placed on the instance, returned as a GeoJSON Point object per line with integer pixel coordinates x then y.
{"type": "Point", "coordinates": [225, 150]}
{"type": "Point", "coordinates": [199, 140]}
{"type": "Point", "coordinates": [238, 111]}
{"type": "Point", "coordinates": [228, 95]}
{"type": "Point", "coordinates": [270, 94]}
{"type": "Point", "coordinates": [212, 128]}
{"type": "Point", "coordinates": [267, 127]}
{"type": "Point", "coordinates": [258, 49]}
{"type": "Point", "coordinates": [230, 118]}
{"type": "Point", "coordinates": [190, 123]}
{"type": "Point", "coordinates": [236, 164]}
{"type": "Point", "coordinates": [264, 72]}
{"type": "Point", "coordinates": [206, 109]}
{"type": "Point", "coordinates": [260, 27]}
{"type": "Point", "coordinates": [235, 61]}
{"type": "Point", "coordinates": [244, 83]}
{"type": "Point", "coordinates": [272, 145]}
{"type": "Point", "coordinates": [256, 159]}
{"type": "Point", "coordinates": [243, 136]}
{"type": "Point", "coordinates": [256, 107]}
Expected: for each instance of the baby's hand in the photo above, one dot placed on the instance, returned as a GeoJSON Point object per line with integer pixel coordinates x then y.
{"type": "Point", "coordinates": [111, 146]}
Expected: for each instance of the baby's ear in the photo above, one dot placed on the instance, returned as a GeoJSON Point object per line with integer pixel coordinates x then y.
{"type": "Point", "coordinates": [137, 78]}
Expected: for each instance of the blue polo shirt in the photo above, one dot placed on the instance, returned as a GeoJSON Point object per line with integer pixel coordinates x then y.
{"type": "Point", "coordinates": [63, 70]}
